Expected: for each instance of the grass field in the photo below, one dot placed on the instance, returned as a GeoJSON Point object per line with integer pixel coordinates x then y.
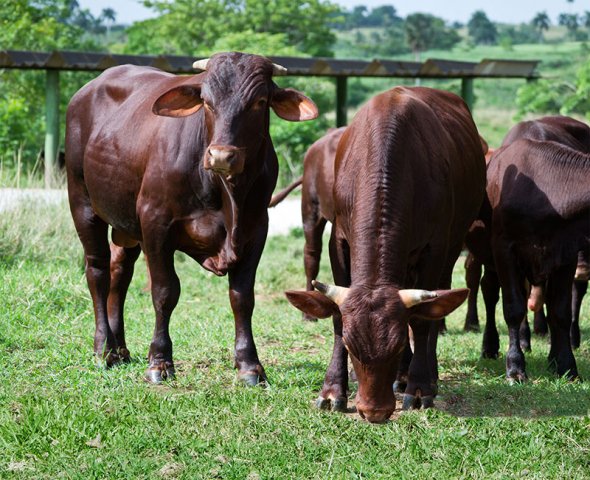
{"type": "Point", "coordinates": [62, 417]}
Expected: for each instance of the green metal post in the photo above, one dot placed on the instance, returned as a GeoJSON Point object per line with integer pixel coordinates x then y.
{"type": "Point", "coordinates": [51, 126]}
{"type": "Point", "coordinates": [341, 103]}
{"type": "Point", "coordinates": [467, 92]}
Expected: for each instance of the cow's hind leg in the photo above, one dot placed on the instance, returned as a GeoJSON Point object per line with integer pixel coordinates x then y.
{"type": "Point", "coordinates": [93, 233]}
{"type": "Point", "coordinates": [472, 275]}
{"type": "Point", "coordinates": [490, 289]}
{"type": "Point", "coordinates": [334, 393]}
{"type": "Point", "coordinates": [313, 229]}
{"type": "Point", "coordinates": [122, 263]}
{"type": "Point", "coordinates": [558, 299]}
{"type": "Point", "coordinates": [579, 289]}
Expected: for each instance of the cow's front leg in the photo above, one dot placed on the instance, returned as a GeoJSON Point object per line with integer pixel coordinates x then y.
{"type": "Point", "coordinates": [334, 393]}
{"type": "Point", "coordinates": [559, 311]}
{"type": "Point", "coordinates": [421, 388]}
{"type": "Point", "coordinates": [122, 264]}
{"type": "Point", "coordinates": [165, 294]}
{"type": "Point", "coordinates": [241, 297]}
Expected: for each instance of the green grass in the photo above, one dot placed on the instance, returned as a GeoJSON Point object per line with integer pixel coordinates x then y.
{"type": "Point", "coordinates": [62, 417]}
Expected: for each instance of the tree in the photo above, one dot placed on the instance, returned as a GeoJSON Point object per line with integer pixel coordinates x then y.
{"type": "Point", "coordinates": [541, 23]}
{"type": "Point", "coordinates": [382, 16]}
{"type": "Point", "coordinates": [424, 31]}
{"type": "Point", "coordinates": [570, 22]}
{"type": "Point", "coordinates": [110, 15]}
{"type": "Point", "coordinates": [481, 29]}
{"type": "Point", "coordinates": [177, 30]}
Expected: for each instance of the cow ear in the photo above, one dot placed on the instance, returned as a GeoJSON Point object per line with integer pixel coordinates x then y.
{"type": "Point", "coordinates": [315, 304]}
{"type": "Point", "coordinates": [289, 104]}
{"type": "Point", "coordinates": [441, 305]}
{"type": "Point", "coordinates": [179, 101]}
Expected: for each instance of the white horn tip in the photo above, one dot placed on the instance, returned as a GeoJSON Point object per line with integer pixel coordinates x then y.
{"type": "Point", "coordinates": [278, 69]}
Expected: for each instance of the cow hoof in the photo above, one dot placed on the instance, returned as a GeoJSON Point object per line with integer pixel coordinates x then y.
{"type": "Point", "coordinates": [252, 379]}
{"type": "Point", "coordinates": [336, 405]}
{"type": "Point", "coordinates": [410, 402]}
{"type": "Point", "coordinates": [157, 375]}
{"type": "Point", "coordinates": [516, 378]}
{"type": "Point", "coordinates": [525, 347]}
{"type": "Point", "coordinates": [490, 355]}
{"type": "Point", "coordinates": [309, 318]}
{"type": "Point", "coordinates": [428, 401]}
{"type": "Point", "coordinates": [399, 386]}
{"type": "Point", "coordinates": [471, 328]}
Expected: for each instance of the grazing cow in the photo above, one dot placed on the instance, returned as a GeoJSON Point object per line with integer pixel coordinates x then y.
{"type": "Point", "coordinates": [409, 177]}
{"type": "Point", "coordinates": [175, 163]}
{"type": "Point", "coordinates": [540, 220]}
{"type": "Point", "coordinates": [560, 129]}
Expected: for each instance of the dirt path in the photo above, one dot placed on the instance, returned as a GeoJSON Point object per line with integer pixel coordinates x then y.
{"type": "Point", "coordinates": [282, 218]}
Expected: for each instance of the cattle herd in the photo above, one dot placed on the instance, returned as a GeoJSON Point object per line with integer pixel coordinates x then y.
{"type": "Point", "coordinates": [187, 163]}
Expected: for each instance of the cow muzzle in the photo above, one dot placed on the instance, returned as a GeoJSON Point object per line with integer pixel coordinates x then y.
{"type": "Point", "coordinates": [224, 160]}
{"type": "Point", "coordinates": [374, 413]}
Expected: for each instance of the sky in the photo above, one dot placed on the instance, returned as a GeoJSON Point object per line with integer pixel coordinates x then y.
{"type": "Point", "coordinates": [508, 11]}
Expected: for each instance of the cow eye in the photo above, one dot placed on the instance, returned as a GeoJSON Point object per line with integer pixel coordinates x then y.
{"type": "Point", "coordinates": [259, 104]}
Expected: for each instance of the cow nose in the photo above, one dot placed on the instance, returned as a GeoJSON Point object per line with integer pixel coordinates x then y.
{"type": "Point", "coordinates": [375, 415]}
{"type": "Point", "coordinates": [223, 159]}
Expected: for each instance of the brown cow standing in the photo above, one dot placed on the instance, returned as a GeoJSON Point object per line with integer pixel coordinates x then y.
{"type": "Point", "coordinates": [540, 220]}
{"type": "Point", "coordinates": [560, 129]}
{"type": "Point", "coordinates": [409, 179]}
{"type": "Point", "coordinates": [143, 157]}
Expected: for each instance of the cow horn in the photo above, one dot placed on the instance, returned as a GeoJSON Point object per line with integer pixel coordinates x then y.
{"type": "Point", "coordinates": [278, 69]}
{"type": "Point", "coordinates": [411, 297]}
{"type": "Point", "coordinates": [201, 64]}
{"type": "Point", "coordinates": [334, 293]}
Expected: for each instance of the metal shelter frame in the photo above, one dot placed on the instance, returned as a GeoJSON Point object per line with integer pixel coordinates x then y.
{"type": "Point", "coordinates": [54, 62]}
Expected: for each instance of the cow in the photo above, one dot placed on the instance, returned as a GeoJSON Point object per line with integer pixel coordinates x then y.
{"type": "Point", "coordinates": [317, 206]}
{"type": "Point", "coordinates": [409, 178]}
{"type": "Point", "coordinates": [556, 128]}
{"type": "Point", "coordinates": [175, 163]}
{"type": "Point", "coordinates": [540, 219]}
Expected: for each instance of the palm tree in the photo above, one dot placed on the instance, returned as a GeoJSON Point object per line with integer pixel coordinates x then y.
{"type": "Point", "coordinates": [110, 15]}
{"type": "Point", "coordinates": [541, 22]}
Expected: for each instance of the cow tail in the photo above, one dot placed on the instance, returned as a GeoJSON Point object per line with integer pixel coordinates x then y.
{"type": "Point", "coordinates": [279, 197]}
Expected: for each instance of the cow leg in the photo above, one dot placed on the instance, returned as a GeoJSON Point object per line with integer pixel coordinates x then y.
{"type": "Point", "coordinates": [559, 314]}
{"type": "Point", "coordinates": [421, 388]}
{"type": "Point", "coordinates": [525, 335]}
{"type": "Point", "coordinates": [241, 297]}
{"type": "Point", "coordinates": [490, 289]}
{"type": "Point", "coordinates": [579, 289]}
{"type": "Point", "coordinates": [93, 233]}
{"type": "Point", "coordinates": [335, 388]}
{"type": "Point", "coordinates": [313, 229]}
{"type": "Point", "coordinates": [540, 323]}
{"type": "Point", "coordinates": [122, 263]}
{"type": "Point", "coordinates": [401, 381]}
{"type": "Point", "coordinates": [472, 276]}
{"type": "Point", "coordinates": [165, 294]}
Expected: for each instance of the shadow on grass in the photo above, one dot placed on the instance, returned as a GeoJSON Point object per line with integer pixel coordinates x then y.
{"type": "Point", "coordinates": [487, 393]}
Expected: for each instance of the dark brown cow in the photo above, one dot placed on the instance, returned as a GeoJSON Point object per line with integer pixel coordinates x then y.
{"type": "Point", "coordinates": [143, 157]}
{"type": "Point", "coordinates": [540, 220]}
{"type": "Point", "coordinates": [317, 205]}
{"type": "Point", "coordinates": [563, 130]}
{"type": "Point", "coordinates": [409, 179]}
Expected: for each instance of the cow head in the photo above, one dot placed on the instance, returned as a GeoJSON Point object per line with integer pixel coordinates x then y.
{"type": "Point", "coordinates": [236, 92]}
{"type": "Point", "coordinates": [375, 331]}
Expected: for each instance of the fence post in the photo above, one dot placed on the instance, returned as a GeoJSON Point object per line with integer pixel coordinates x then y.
{"type": "Point", "coordinates": [341, 103]}
{"type": "Point", "coordinates": [467, 92]}
{"type": "Point", "coordinates": [51, 126]}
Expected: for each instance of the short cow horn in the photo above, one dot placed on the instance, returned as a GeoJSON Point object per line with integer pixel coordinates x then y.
{"type": "Point", "coordinates": [201, 64]}
{"type": "Point", "coordinates": [278, 69]}
{"type": "Point", "coordinates": [411, 297]}
{"type": "Point", "coordinates": [333, 292]}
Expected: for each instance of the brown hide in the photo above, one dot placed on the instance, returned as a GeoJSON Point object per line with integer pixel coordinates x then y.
{"type": "Point", "coordinates": [175, 163]}
{"type": "Point", "coordinates": [540, 220]}
{"type": "Point", "coordinates": [409, 179]}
